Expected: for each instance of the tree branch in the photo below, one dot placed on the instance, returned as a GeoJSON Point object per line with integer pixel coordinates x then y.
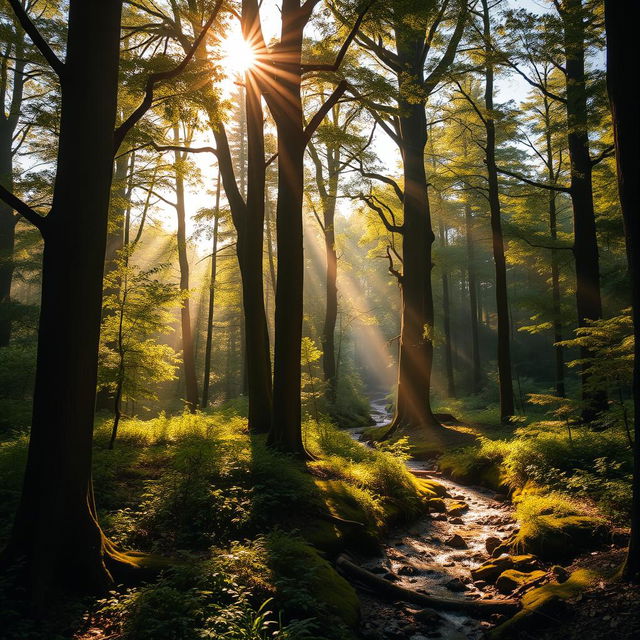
{"type": "Point", "coordinates": [36, 37]}
{"type": "Point", "coordinates": [306, 68]}
{"type": "Point", "coordinates": [324, 109]}
{"type": "Point", "coordinates": [392, 270]}
{"type": "Point", "coordinates": [155, 78]}
{"type": "Point", "coordinates": [22, 208]}
{"type": "Point", "coordinates": [534, 183]}
{"type": "Point", "coordinates": [391, 228]}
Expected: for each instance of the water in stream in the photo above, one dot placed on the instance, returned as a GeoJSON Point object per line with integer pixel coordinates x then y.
{"type": "Point", "coordinates": [419, 558]}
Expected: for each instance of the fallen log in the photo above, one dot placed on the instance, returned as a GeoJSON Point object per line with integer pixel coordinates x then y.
{"type": "Point", "coordinates": [391, 590]}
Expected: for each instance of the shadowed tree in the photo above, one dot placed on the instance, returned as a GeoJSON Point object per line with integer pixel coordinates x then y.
{"type": "Point", "coordinates": [621, 19]}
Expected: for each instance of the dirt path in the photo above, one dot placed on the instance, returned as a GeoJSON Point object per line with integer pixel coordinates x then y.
{"type": "Point", "coordinates": [422, 558]}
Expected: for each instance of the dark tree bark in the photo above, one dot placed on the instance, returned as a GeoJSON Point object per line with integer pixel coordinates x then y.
{"type": "Point", "coordinates": [56, 533]}
{"type": "Point", "coordinates": [502, 303]}
{"type": "Point", "coordinates": [8, 219]}
{"type": "Point", "coordinates": [446, 319]}
{"type": "Point", "coordinates": [552, 176]}
{"type": "Point", "coordinates": [476, 369]}
{"type": "Point", "coordinates": [622, 18]}
{"type": "Point", "coordinates": [328, 191]}
{"type": "Point", "coordinates": [212, 299]}
{"type": "Point", "coordinates": [585, 249]}
{"type": "Point", "coordinates": [188, 351]}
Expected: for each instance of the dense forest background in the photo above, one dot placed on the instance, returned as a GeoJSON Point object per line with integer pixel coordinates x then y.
{"type": "Point", "coordinates": [234, 233]}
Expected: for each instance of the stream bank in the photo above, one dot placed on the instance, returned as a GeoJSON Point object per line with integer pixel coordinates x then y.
{"type": "Point", "coordinates": [435, 556]}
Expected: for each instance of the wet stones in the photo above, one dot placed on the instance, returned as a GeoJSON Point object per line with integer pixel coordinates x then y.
{"type": "Point", "coordinates": [457, 508]}
{"type": "Point", "coordinates": [491, 570]}
{"type": "Point", "coordinates": [456, 585]}
{"type": "Point", "coordinates": [437, 504]}
{"type": "Point", "coordinates": [492, 543]}
{"type": "Point", "coordinates": [456, 541]}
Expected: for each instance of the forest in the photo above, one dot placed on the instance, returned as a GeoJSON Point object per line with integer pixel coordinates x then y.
{"type": "Point", "coordinates": [319, 320]}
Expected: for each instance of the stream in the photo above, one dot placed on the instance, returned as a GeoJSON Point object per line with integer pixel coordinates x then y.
{"type": "Point", "coordinates": [418, 558]}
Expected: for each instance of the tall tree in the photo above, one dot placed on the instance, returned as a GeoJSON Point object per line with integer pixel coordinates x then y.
{"type": "Point", "coordinates": [414, 26]}
{"type": "Point", "coordinates": [621, 18]}
{"type": "Point", "coordinates": [56, 532]}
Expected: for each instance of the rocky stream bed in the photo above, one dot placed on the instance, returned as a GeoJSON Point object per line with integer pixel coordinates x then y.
{"type": "Point", "coordinates": [435, 556]}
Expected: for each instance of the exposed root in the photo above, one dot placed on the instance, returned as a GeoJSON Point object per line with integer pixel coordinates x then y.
{"type": "Point", "coordinates": [390, 590]}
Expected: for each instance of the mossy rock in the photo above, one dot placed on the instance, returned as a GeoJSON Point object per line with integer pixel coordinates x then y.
{"type": "Point", "coordinates": [431, 488]}
{"type": "Point", "coordinates": [491, 570]}
{"type": "Point", "coordinates": [553, 537]}
{"type": "Point", "coordinates": [541, 605]}
{"type": "Point", "coordinates": [480, 472]}
{"type": "Point", "coordinates": [457, 508]}
{"type": "Point", "coordinates": [511, 579]}
{"type": "Point", "coordinates": [299, 562]}
{"type": "Point", "coordinates": [437, 504]}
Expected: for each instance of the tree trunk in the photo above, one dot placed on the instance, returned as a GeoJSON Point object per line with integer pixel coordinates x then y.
{"type": "Point", "coordinates": [286, 107]}
{"type": "Point", "coordinates": [188, 354]}
{"type": "Point", "coordinates": [56, 533]}
{"type": "Point", "coordinates": [555, 262]}
{"type": "Point", "coordinates": [8, 222]}
{"type": "Point", "coordinates": [446, 319]}
{"type": "Point", "coordinates": [212, 298]}
{"type": "Point", "coordinates": [585, 248]}
{"type": "Point", "coordinates": [257, 356]}
{"type": "Point", "coordinates": [476, 370]}
{"type": "Point", "coordinates": [621, 19]}
{"type": "Point", "coordinates": [502, 305]}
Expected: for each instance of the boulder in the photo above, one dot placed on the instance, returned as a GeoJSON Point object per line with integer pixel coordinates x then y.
{"type": "Point", "coordinates": [437, 504]}
{"type": "Point", "coordinates": [456, 541]}
{"type": "Point", "coordinates": [490, 570]}
{"type": "Point", "coordinates": [511, 579]}
{"type": "Point", "coordinates": [457, 508]}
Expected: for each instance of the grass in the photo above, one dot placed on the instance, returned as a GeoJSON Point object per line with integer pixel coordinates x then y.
{"type": "Point", "coordinates": [252, 528]}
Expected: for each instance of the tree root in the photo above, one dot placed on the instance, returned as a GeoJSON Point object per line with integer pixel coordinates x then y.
{"type": "Point", "coordinates": [341, 521]}
{"type": "Point", "coordinates": [390, 590]}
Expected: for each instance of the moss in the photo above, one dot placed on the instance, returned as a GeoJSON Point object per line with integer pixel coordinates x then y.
{"type": "Point", "coordinates": [457, 508]}
{"type": "Point", "coordinates": [437, 504]}
{"type": "Point", "coordinates": [298, 566]}
{"type": "Point", "coordinates": [512, 579]}
{"type": "Point", "coordinates": [489, 571]}
{"type": "Point", "coordinates": [539, 604]}
{"type": "Point", "coordinates": [480, 465]}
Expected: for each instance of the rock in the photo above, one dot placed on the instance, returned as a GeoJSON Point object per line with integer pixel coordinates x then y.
{"type": "Point", "coordinates": [456, 520]}
{"type": "Point", "coordinates": [378, 569]}
{"type": "Point", "coordinates": [480, 584]}
{"type": "Point", "coordinates": [407, 570]}
{"type": "Point", "coordinates": [511, 580]}
{"type": "Point", "coordinates": [491, 543]}
{"type": "Point", "coordinates": [437, 504]}
{"type": "Point", "coordinates": [560, 573]}
{"type": "Point", "coordinates": [390, 576]}
{"type": "Point", "coordinates": [499, 497]}
{"type": "Point", "coordinates": [439, 516]}
{"type": "Point", "coordinates": [456, 585]}
{"type": "Point", "coordinates": [427, 615]}
{"type": "Point", "coordinates": [456, 541]}
{"type": "Point", "coordinates": [457, 508]}
{"type": "Point", "coordinates": [490, 570]}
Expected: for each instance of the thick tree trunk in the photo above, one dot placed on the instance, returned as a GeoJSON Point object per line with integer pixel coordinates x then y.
{"type": "Point", "coordinates": [588, 296]}
{"type": "Point", "coordinates": [622, 18]}
{"type": "Point", "coordinates": [8, 222]}
{"type": "Point", "coordinates": [257, 356]}
{"type": "Point", "coordinates": [446, 320]}
{"type": "Point", "coordinates": [56, 533]}
{"type": "Point", "coordinates": [476, 370]}
{"type": "Point", "coordinates": [188, 352]}
{"type": "Point", "coordinates": [212, 299]}
{"type": "Point", "coordinates": [413, 403]}
{"type": "Point", "coordinates": [286, 107]}
{"type": "Point", "coordinates": [502, 303]}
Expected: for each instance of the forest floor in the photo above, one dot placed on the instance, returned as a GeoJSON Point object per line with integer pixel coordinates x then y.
{"type": "Point", "coordinates": [436, 555]}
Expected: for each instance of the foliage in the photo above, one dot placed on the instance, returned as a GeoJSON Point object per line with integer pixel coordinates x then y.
{"type": "Point", "coordinates": [137, 309]}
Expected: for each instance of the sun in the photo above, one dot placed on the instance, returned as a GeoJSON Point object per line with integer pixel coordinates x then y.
{"type": "Point", "coordinates": [239, 55]}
